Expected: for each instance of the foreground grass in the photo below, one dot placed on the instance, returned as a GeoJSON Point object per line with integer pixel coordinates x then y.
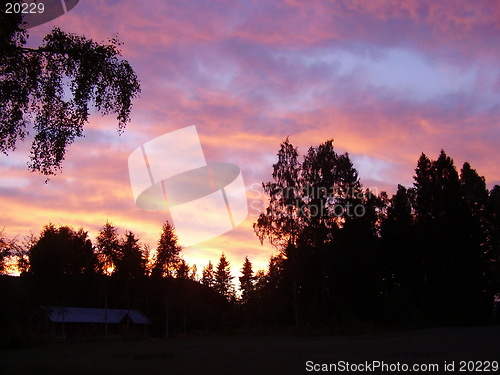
{"type": "Point", "coordinates": [251, 354]}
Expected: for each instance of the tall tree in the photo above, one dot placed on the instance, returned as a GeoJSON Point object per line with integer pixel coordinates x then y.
{"type": "Point", "coordinates": [51, 87]}
{"type": "Point", "coordinates": [108, 248]}
{"type": "Point", "coordinates": [492, 253]}
{"type": "Point", "coordinates": [167, 253]}
{"type": "Point", "coordinates": [272, 303]}
{"type": "Point", "coordinates": [279, 224]}
{"type": "Point", "coordinates": [449, 238]}
{"type": "Point", "coordinates": [247, 281]}
{"type": "Point", "coordinates": [308, 203]}
{"type": "Point", "coordinates": [131, 262]}
{"type": "Point", "coordinates": [356, 267]}
{"type": "Point", "coordinates": [193, 274]}
{"type": "Point", "coordinates": [474, 191]}
{"type": "Point", "coordinates": [223, 280]}
{"type": "Point", "coordinates": [208, 275]}
{"type": "Point", "coordinates": [6, 251]}
{"type": "Point", "coordinates": [403, 267]}
{"type": "Point", "coordinates": [182, 271]}
{"type": "Point", "coordinates": [62, 251]}
{"type": "Point", "coordinates": [423, 181]}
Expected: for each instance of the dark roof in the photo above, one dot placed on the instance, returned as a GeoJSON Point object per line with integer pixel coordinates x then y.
{"type": "Point", "coordinates": [91, 315]}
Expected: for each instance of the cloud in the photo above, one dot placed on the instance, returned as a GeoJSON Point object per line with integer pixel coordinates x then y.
{"type": "Point", "coordinates": [386, 80]}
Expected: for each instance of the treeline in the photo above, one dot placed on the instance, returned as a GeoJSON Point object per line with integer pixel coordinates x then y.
{"type": "Point", "coordinates": [347, 256]}
{"type": "Point", "coordinates": [428, 255]}
{"type": "Point", "coordinates": [64, 267]}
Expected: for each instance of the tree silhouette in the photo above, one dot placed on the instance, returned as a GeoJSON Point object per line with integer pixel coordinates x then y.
{"type": "Point", "coordinates": [62, 266]}
{"type": "Point", "coordinates": [22, 251]}
{"type": "Point", "coordinates": [308, 204]}
{"type": "Point", "coordinates": [473, 190]}
{"type": "Point", "coordinates": [280, 223]}
{"type": "Point", "coordinates": [492, 252]}
{"type": "Point", "coordinates": [193, 273]}
{"type": "Point", "coordinates": [208, 275]}
{"type": "Point", "coordinates": [423, 189]}
{"type": "Point", "coordinates": [182, 271]}
{"type": "Point", "coordinates": [62, 251]}
{"type": "Point", "coordinates": [167, 253]}
{"type": "Point", "coordinates": [473, 238]}
{"type": "Point", "coordinates": [403, 262]}
{"type": "Point", "coordinates": [131, 262]}
{"type": "Point", "coordinates": [427, 256]}
{"type": "Point", "coordinates": [223, 279]}
{"type": "Point", "coordinates": [272, 301]}
{"type": "Point", "coordinates": [356, 265]}
{"type": "Point", "coordinates": [7, 248]}
{"type": "Point", "coordinates": [449, 237]}
{"type": "Point", "coordinates": [247, 281]}
{"type": "Point", "coordinates": [108, 248]}
{"type": "Point", "coordinates": [52, 86]}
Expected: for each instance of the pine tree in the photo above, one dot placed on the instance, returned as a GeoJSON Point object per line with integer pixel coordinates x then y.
{"type": "Point", "coordinates": [167, 253]}
{"type": "Point", "coordinates": [193, 274]}
{"type": "Point", "coordinates": [182, 271]}
{"type": "Point", "coordinates": [492, 255]}
{"type": "Point", "coordinates": [403, 262]}
{"type": "Point", "coordinates": [208, 275]}
{"type": "Point", "coordinates": [448, 237]}
{"type": "Point", "coordinates": [223, 279]}
{"type": "Point", "coordinates": [131, 262]}
{"type": "Point", "coordinates": [246, 281]}
{"type": "Point", "coordinates": [423, 189]}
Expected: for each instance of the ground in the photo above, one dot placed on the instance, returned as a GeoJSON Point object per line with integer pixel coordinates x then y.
{"type": "Point", "coordinates": [254, 354]}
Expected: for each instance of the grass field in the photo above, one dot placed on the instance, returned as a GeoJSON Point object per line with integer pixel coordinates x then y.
{"type": "Point", "coordinates": [252, 354]}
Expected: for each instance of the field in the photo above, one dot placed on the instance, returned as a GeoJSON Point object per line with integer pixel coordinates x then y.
{"type": "Point", "coordinates": [253, 354]}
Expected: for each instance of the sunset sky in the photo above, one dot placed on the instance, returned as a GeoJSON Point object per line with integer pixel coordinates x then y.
{"type": "Point", "coordinates": [386, 80]}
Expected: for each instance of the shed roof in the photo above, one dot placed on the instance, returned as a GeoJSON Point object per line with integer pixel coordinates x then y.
{"type": "Point", "coordinates": [92, 315]}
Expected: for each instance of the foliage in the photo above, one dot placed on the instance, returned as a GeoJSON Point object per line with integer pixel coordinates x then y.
{"type": "Point", "coordinates": [182, 271]}
{"type": "Point", "coordinates": [51, 88]}
{"type": "Point", "coordinates": [167, 258]}
{"type": "Point", "coordinates": [108, 248]}
{"type": "Point", "coordinates": [428, 255]}
{"type": "Point", "coordinates": [62, 251]}
{"type": "Point", "coordinates": [223, 279]}
{"type": "Point", "coordinates": [431, 250]}
{"type": "Point", "coordinates": [131, 262]}
{"type": "Point", "coordinates": [193, 274]}
{"type": "Point", "coordinates": [247, 281]}
{"type": "Point", "coordinates": [6, 251]}
{"type": "Point", "coordinates": [208, 275]}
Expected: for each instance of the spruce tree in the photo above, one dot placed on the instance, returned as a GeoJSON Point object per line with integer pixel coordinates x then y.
{"type": "Point", "coordinates": [247, 280]}
{"type": "Point", "coordinates": [167, 253]}
{"type": "Point", "coordinates": [223, 279]}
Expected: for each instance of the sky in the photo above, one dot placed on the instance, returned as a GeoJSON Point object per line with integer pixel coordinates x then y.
{"type": "Point", "coordinates": [387, 80]}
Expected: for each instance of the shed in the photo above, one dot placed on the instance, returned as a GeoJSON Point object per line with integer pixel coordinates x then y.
{"type": "Point", "coordinates": [80, 321]}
